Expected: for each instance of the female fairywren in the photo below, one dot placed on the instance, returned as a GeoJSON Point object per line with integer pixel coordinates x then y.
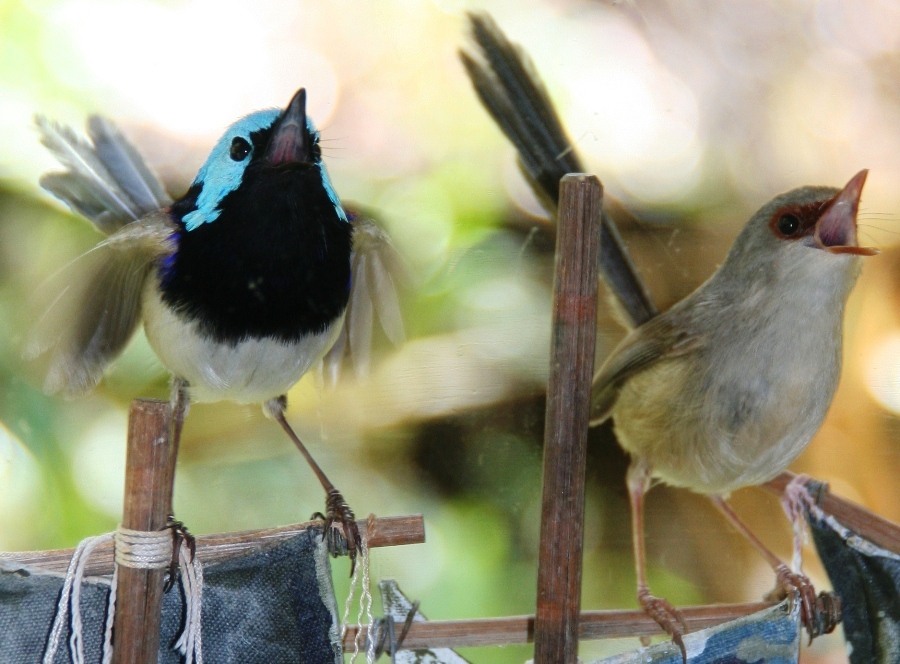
{"type": "Point", "coordinates": [242, 284]}
{"type": "Point", "coordinates": [727, 387]}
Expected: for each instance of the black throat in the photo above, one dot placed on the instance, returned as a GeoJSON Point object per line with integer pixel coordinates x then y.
{"type": "Point", "coordinates": [275, 263]}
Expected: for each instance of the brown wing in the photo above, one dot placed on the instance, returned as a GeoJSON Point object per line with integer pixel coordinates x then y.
{"type": "Point", "coordinates": [94, 305]}
{"type": "Point", "coordinates": [659, 339]}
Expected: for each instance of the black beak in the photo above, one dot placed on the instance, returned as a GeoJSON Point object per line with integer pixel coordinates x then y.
{"type": "Point", "coordinates": [290, 141]}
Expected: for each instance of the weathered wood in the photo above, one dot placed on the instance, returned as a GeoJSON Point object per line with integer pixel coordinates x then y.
{"type": "Point", "coordinates": [877, 529]}
{"type": "Point", "coordinates": [389, 531]}
{"type": "Point", "coordinates": [149, 477]}
{"type": "Point", "coordinates": [568, 408]}
{"type": "Point", "coordinates": [521, 629]}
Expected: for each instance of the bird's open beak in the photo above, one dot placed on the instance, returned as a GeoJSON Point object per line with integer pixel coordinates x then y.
{"type": "Point", "coordinates": [290, 141]}
{"type": "Point", "coordinates": [836, 229]}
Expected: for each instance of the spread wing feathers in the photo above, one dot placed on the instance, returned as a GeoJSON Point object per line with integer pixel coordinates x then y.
{"type": "Point", "coordinates": [95, 305]}
{"type": "Point", "coordinates": [106, 180]}
{"type": "Point", "coordinates": [512, 92]}
{"type": "Point", "coordinates": [377, 271]}
{"type": "Point", "coordinates": [655, 341]}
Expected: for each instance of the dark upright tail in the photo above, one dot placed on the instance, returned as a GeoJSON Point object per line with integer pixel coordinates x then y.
{"type": "Point", "coordinates": [512, 92]}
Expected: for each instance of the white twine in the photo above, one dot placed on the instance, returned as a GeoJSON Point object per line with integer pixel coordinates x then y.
{"type": "Point", "coordinates": [74, 575]}
{"type": "Point", "coordinates": [138, 550]}
{"type": "Point", "coordinates": [190, 643]}
{"type": "Point", "coordinates": [365, 601]}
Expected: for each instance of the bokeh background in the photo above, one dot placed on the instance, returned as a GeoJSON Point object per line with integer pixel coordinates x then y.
{"type": "Point", "coordinates": [692, 113]}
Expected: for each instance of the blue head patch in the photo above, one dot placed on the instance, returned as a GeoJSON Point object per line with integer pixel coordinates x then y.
{"type": "Point", "coordinates": [221, 174]}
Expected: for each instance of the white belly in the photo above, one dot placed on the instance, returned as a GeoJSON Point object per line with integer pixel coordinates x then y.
{"type": "Point", "coordinates": [251, 371]}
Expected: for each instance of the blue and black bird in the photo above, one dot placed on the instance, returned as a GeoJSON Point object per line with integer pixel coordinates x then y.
{"type": "Point", "coordinates": [243, 284]}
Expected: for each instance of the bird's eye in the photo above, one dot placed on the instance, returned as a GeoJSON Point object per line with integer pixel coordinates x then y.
{"type": "Point", "coordinates": [240, 148]}
{"type": "Point", "coordinates": [788, 224]}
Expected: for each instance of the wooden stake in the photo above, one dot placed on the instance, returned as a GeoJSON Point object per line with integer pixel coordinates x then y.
{"type": "Point", "coordinates": [149, 478]}
{"type": "Point", "coordinates": [568, 409]}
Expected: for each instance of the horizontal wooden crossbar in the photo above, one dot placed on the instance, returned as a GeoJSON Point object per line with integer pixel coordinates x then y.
{"type": "Point", "coordinates": [520, 629]}
{"type": "Point", "coordinates": [874, 528]}
{"type": "Point", "coordinates": [388, 531]}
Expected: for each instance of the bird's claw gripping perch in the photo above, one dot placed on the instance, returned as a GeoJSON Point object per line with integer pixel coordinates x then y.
{"type": "Point", "coordinates": [818, 614]}
{"type": "Point", "coordinates": [667, 616]}
{"type": "Point", "coordinates": [181, 536]}
{"type": "Point", "coordinates": [338, 511]}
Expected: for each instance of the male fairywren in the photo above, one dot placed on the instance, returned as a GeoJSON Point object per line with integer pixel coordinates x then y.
{"type": "Point", "coordinates": [242, 284]}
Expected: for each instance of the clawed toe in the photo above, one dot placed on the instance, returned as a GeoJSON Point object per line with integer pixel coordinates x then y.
{"type": "Point", "coordinates": [338, 511]}
{"type": "Point", "coordinates": [180, 537]}
{"type": "Point", "coordinates": [667, 617]}
{"type": "Point", "coordinates": [818, 614]}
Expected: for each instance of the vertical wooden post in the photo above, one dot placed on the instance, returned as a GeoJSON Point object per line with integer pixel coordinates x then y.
{"type": "Point", "coordinates": [149, 478]}
{"type": "Point", "coordinates": [568, 409]}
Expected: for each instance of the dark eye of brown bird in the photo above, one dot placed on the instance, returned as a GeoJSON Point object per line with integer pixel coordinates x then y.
{"type": "Point", "coordinates": [788, 224]}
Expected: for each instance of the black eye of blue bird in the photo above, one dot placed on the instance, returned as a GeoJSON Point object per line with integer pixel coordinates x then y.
{"type": "Point", "coordinates": [240, 148]}
{"type": "Point", "coordinates": [788, 224]}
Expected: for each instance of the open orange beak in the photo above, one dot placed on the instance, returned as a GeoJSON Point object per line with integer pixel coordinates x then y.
{"type": "Point", "coordinates": [836, 229]}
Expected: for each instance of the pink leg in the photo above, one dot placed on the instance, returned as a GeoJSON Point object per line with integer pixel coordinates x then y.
{"type": "Point", "coordinates": [336, 508]}
{"type": "Point", "coordinates": [787, 580]}
{"type": "Point", "coordinates": [659, 609]}
{"type": "Point", "coordinates": [795, 500]}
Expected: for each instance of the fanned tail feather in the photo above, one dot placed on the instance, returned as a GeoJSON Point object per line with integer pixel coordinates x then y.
{"type": "Point", "coordinates": [105, 180]}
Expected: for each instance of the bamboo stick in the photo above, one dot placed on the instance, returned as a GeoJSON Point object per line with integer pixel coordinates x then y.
{"type": "Point", "coordinates": [389, 531]}
{"type": "Point", "coordinates": [568, 410]}
{"type": "Point", "coordinates": [521, 629]}
{"type": "Point", "coordinates": [149, 477]}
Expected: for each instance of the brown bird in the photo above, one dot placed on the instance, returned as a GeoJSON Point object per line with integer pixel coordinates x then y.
{"type": "Point", "coordinates": [726, 388]}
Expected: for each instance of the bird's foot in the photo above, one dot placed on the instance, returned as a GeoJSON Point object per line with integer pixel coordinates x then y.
{"type": "Point", "coordinates": [667, 616]}
{"type": "Point", "coordinates": [338, 511]}
{"type": "Point", "coordinates": [180, 537]}
{"type": "Point", "coordinates": [818, 614]}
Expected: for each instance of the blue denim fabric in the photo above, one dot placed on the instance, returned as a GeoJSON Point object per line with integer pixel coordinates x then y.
{"type": "Point", "coordinates": [273, 606]}
{"type": "Point", "coordinates": [867, 579]}
{"type": "Point", "coordinates": [771, 636]}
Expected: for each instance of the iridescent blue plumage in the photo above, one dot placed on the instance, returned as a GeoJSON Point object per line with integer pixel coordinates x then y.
{"type": "Point", "coordinates": [220, 174]}
{"type": "Point", "coordinates": [241, 284]}
{"type": "Point", "coordinates": [265, 250]}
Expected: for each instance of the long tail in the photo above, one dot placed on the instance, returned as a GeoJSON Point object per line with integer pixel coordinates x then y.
{"type": "Point", "coordinates": [513, 94]}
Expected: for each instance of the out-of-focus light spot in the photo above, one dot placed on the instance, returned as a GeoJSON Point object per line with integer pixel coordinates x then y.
{"type": "Point", "coordinates": [19, 482]}
{"type": "Point", "coordinates": [634, 117]}
{"type": "Point", "coordinates": [497, 295]}
{"type": "Point", "coordinates": [192, 68]}
{"type": "Point", "coordinates": [883, 373]}
{"type": "Point", "coordinates": [868, 28]}
{"type": "Point", "coordinates": [98, 462]}
{"type": "Point", "coordinates": [421, 222]}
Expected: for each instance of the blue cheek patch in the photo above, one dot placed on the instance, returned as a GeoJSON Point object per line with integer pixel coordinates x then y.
{"type": "Point", "coordinates": [221, 175]}
{"type": "Point", "coordinates": [332, 196]}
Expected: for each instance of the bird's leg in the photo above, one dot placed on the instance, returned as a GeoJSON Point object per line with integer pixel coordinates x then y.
{"type": "Point", "coordinates": [180, 403]}
{"type": "Point", "coordinates": [668, 617]}
{"type": "Point", "coordinates": [336, 508]}
{"type": "Point", "coordinates": [787, 581]}
{"type": "Point", "coordinates": [796, 500]}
